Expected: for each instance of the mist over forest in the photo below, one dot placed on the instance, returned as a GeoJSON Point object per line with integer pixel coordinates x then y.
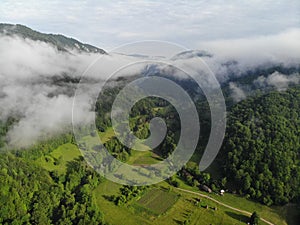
{"type": "Point", "coordinates": [38, 80]}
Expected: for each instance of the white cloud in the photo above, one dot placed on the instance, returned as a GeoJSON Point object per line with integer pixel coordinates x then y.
{"type": "Point", "coordinates": [277, 80]}
{"type": "Point", "coordinates": [236, 92]}
{"type": "Point", "coordinates": [236, 56]}
{"type": "Point", "coordinates": [277, 47]}
{"type": "Point", "coordinates": [28, 91]}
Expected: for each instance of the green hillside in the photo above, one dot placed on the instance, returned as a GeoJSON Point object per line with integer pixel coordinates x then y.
{"type": "Point", "coordinates": [59, 41]}
{"type": "Point", "coordinates": [261, 149]}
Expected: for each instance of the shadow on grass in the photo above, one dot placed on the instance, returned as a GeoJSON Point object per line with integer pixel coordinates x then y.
{"type": "Point", "coordinates": [178, 221]}
{"type": "Point", "coordinates": [292, 214]}
{"type": "Point", "coordinates": [158, 158]}
{"type": "Point", "coordinates": [239, 217]}
{"type": "Point", "coordinates": [109, 198]}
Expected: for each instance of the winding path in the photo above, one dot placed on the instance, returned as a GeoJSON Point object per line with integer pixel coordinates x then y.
{"type": "Point", "coordinates": [223, 204]}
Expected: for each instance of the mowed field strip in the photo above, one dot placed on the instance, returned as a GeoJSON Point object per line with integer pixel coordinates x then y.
{"type": "Point", "coordinates": [157, 201]}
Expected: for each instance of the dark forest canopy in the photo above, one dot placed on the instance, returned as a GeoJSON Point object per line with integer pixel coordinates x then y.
{"type": "Point", "coordinates": [262, 147]}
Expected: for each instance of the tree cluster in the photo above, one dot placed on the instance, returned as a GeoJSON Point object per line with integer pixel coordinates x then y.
{"type": "Point", "coordinates": [128, 193]}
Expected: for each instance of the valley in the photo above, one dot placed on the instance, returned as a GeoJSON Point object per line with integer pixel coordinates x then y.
{"type": "Point", "coordinates": [51, 175]}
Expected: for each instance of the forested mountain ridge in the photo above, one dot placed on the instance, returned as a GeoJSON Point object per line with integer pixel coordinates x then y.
{"type": "Point", "coordinates": [261, 151]}
{"type": "Point", "coordinates": [59, 41]}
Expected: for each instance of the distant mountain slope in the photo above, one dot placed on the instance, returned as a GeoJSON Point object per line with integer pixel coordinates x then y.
{"type": "Point", "coordinates": [61, 42]}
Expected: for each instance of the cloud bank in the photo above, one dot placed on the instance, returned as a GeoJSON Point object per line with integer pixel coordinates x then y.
{"type": "Point", "coordinates": [37, 82]}
{"type": "Point", "coordinates": [33, 88]}
{"type": "Point", "coordinates": [235, 57]}
{"type": "Point", "coordinates": [278, 80]}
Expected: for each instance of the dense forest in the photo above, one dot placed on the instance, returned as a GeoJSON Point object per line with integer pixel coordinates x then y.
{"type": "Point", "coordinates": [262, 147]}
{"type": "Point", "coordinates": [33, 195]}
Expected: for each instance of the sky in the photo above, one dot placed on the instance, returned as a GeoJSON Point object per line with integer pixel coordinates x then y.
{"type": "Point", "coordinates": [108, 24]}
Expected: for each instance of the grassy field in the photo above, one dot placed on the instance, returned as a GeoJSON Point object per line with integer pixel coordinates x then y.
{"type": "Point", "coordinates": [143, 158]}
{"type": "Point", "coordinates": [58, 159]}
{"type": "Point", "coordinates": [178, 208]}
{"type": "Point", "coordinates": [91, 141]}
{"type": "Point", "coordinates": [107, 134]}
{"type": "Point", "coordinates": [272, 214]}
{"type": "Point", "coordinates": [116, 215]}
{"type": "Point", "coordinates": [290, 212]}
{"type": "Point", "coordinates": [157, 201]}
{"type": "Point", "coordinates": [185, 209]}
{"type": "Point", "coordinates": [159, 207]}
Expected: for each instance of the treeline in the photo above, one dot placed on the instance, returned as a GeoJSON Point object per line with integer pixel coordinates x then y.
{"type": "Point", "coordinates": [128, 193]}
{"type": "Point", "coordinates": [4, 127]}
{"type": "Point", "coordinates": [192, 176]}
{"type": "Point", "coordinates": [32, 195]}
{"type": "Point", "coordinates": [262, 147]}
{"type": "Point", "coordinates": [44, 147]}
{"type": "Point", "coordinates": [36, 150]}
